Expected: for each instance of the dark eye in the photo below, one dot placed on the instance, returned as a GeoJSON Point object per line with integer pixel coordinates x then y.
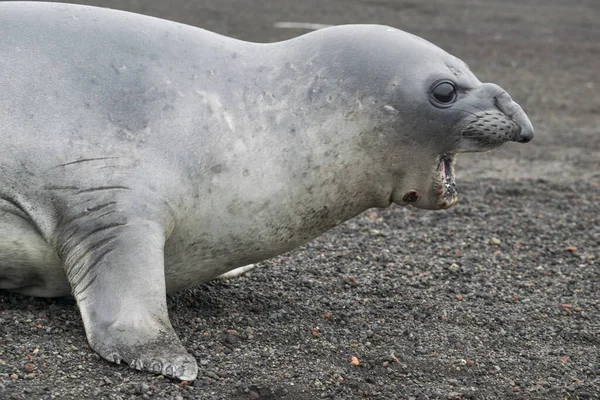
{"type": "Point", "coordinates": [444, 93]}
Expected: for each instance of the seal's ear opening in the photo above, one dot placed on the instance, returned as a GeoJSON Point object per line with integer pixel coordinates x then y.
{"type": "Point", "coordinates": [443, 94]}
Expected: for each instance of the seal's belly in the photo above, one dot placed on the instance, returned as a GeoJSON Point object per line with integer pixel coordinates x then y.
{"type": "Point", "coordinates": [28, 263]}
{"type": "Point", "coordinates": [190, 260]}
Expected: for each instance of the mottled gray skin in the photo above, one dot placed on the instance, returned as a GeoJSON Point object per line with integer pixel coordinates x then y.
{"type": "Point", "coordinates": [140, 156]}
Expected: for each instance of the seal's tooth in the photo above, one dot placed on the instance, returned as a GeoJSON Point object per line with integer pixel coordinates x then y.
{"type": "Point", "coordinates": [442, 169]}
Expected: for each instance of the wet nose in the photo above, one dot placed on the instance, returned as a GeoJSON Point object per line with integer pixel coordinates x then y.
{"type": "Point", "coordinates": [514, 111]}
{"type": "Point", "coordinates": [524, 137]}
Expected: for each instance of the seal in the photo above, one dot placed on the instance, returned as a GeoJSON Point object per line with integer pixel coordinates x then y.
{"type": "Point", "coordinates": [141, 156]}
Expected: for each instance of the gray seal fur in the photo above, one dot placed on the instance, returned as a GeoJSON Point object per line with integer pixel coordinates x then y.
{"type": "Point", "coordinates": [141, 156]}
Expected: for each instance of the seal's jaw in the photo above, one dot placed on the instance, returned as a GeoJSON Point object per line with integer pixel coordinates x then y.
{"type": "Point", "coordinates": [435, 191]}
{"type": "Point", "coordinates": [442, 192]}
{"type": "Point", "coordinates": [446, 190]}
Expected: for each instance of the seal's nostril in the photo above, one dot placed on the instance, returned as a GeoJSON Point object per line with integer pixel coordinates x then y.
{"type": "Point", "coordinates": [524, 135]}
{"type": "Point", "coordinates": [525, 139]}
{"type": "Point", "coordinates": [514, 111]}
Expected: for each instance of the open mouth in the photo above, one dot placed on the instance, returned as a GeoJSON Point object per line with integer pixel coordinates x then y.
{"type": "Point", "coordinates": [442, 193]}
{"type": "Point", "coordinates": [446, 189]}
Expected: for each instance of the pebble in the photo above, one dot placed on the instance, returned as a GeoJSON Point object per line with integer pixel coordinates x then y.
{"type": "Point", "coordinates": [138, 388]}
{"type": "Point", "coordinates": [211, 374]}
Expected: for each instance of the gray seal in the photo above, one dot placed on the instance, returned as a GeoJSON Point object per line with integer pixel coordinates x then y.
{"type": "Point", "coordinates": [141, 156]}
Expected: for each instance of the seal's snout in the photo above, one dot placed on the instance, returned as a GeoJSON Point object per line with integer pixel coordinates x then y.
{"type": "Point", "coordinates": [514, 111]}
{"type": "Point", "coordinates": [497, 120]}
{"type": "Point", "coordinates": [524, 136]}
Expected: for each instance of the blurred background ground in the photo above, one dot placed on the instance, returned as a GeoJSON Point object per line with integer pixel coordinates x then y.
{"type": "Point", "coordinates": [495, 298]}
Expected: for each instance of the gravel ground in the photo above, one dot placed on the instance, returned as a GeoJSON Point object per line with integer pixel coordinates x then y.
{"type": "Point", "coordinates": [496, 298]}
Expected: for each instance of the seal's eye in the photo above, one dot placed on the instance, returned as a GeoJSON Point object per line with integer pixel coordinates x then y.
{"type": "Point", "coordinates": [444, 93]}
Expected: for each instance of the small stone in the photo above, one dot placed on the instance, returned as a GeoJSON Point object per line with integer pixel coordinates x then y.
{"type": "Point", "coordinates": [232, 339]}
{"type": "Point", "coordinates": [253, 396]}
{"type": "Point", "coordinates": [212, 374]}
{"type": "Point", "coordinates": [495, 241]}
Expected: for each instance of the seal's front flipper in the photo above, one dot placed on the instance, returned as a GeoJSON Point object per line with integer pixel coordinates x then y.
{"type": "Point", "coordinates": [116, 271]}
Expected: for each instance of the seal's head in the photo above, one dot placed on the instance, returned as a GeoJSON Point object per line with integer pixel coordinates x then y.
{"type": "Point", "coordinates": [450, 111]}
{"type": "Point", "coordinates": [484, 117]}
{"type": "Point", "coordinates": [427, 107]}
{"type": "Point", "coordinates": [462, 115]}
